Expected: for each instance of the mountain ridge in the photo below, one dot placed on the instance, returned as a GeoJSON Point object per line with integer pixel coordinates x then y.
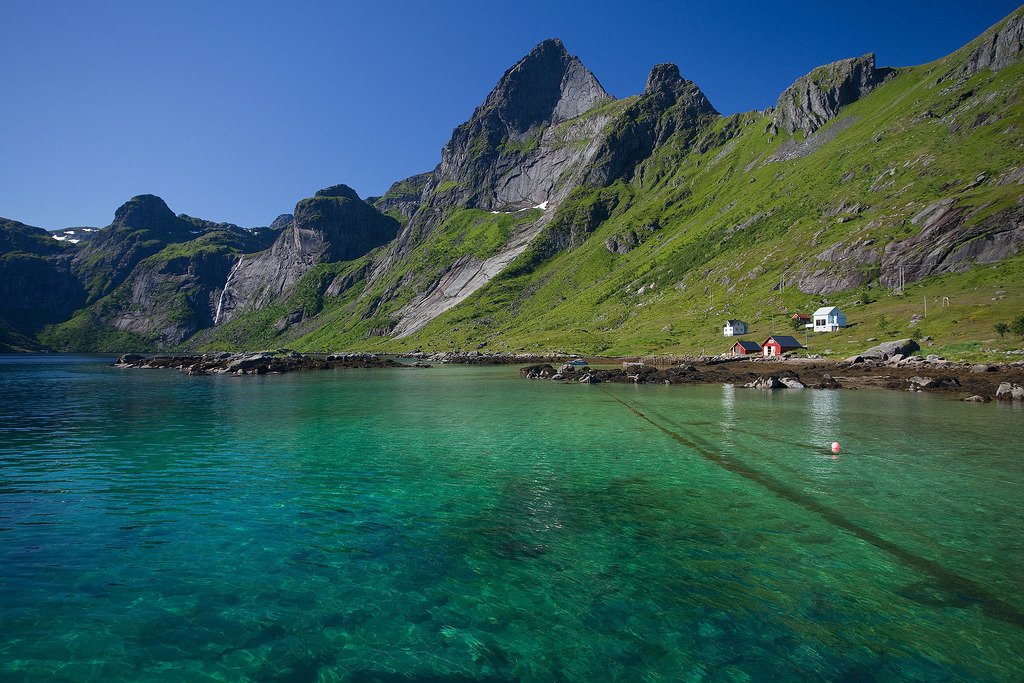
{"type": "Point", "coordinates": [553, 190]}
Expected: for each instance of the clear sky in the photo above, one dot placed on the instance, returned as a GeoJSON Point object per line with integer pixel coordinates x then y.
{"type": "Point", "coordinates": [232, 111]}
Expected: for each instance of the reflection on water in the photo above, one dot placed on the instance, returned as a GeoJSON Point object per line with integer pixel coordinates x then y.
{"type": "Point", "coordinates": [728, 419]}
{"type": "Point", "coordinates": [459, 523]}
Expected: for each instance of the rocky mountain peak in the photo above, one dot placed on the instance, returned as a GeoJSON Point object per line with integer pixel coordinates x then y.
{"type": "Point", "coordinates": [667, 87]}
{"type": "Point", "coordinates": [146, 211]}
{"type": "Point", "coordinates": [817, 97]}
{"type": "Point", "coordinates": [548, 85]}
{"type": "Point", "coordinates": [663, 78]}
{"type": "Point", "coordinates": [339, 190]}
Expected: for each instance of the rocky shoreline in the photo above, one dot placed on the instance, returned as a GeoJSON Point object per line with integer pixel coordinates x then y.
{"type": "Point", "coordinates": [975, 383]}
{"type": "Point", "coordinates": [260, 363]}
{"type": "Point", "coordinates": [889, 366]}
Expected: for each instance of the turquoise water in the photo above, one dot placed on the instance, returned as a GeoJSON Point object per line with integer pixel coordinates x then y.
{"type": "Point", "coordinates": [463, 524]}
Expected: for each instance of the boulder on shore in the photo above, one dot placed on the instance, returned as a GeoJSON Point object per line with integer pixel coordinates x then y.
{"type": "Point", "coordinates": [769, 382]}
{"type": "Point", "coordinates": [886, 350]}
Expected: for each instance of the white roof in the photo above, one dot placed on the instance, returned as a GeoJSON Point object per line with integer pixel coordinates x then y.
{"type": "Point", "coordinates": [825, 310]}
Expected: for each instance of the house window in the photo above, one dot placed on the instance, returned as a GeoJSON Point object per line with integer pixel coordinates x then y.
{"type": "Point", "coordinates": [821, 322]}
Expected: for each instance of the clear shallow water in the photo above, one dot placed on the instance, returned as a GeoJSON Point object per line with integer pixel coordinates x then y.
{"type": "Point", "coordinates": [460, 523]}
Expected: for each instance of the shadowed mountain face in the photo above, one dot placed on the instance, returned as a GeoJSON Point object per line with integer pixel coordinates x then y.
{"type": "Point", "coordinates": [557, 208]}
{"type": "Point", "coordinates": [36, 283]}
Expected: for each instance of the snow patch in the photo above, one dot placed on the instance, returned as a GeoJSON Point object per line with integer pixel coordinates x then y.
{"type": "Point", "coordinates": [59, 238]}
{"type": "Point", "coordinates": [543, 206]}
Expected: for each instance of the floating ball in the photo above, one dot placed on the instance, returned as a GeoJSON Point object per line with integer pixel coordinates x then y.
{"type": "Point", "coordinates": [835, 446]}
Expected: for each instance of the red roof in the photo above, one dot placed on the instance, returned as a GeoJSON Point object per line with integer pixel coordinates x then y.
{"type": "Point", "coordinates": [783, 341]}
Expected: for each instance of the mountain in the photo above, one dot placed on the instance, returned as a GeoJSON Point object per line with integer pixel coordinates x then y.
{"type": "Point", "coordinates": [36, 284]}
{"type": "Point", "coordinates": [560, 217]}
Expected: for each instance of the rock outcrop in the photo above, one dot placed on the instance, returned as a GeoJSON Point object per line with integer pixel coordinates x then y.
{"type": "Point", "coordinates": [817, 97]}
{"type": "Point", "coordinates": [281, 222]}
{"type": "Point", "coordinates": [999, 47]}
{"type": "Point", "coordinates": [948, 241]}
{"type": "Point", "coordinates": [669, 105]}
{"type": "Point", "coordinates": [404, 197]}
{"type": "Point", "coordinates": [333, 225]}
{"type": "Point", "coordinates": [886, 350]}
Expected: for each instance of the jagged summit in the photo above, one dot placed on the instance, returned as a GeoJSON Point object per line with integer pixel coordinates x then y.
{"type": "Point", "coordinates": [663, 78]}
{"type": "Point", "coordinates": [547, 85]}
{"type": "Point", "coordinates": [668, 87]}
{"type": "Point", "coordinates": [481, 165]}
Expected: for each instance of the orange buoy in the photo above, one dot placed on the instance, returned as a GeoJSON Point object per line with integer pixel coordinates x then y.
{"type": "Point", "coordinates": [835, 446]}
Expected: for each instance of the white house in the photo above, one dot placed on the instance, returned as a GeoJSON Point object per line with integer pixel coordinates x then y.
{"type": "Point", "coordinates": [733, 328]}
{"type": "Point", "coordinates": [828, 319]}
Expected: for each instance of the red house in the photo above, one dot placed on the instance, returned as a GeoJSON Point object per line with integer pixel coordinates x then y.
{"type": "Point", "coordinates": [776, 345]}
{"type": "Point", "coordinates": [745, 348]}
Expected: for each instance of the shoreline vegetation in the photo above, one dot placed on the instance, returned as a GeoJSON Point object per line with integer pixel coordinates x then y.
{"type": "Point", "coordinates": [961, 380]}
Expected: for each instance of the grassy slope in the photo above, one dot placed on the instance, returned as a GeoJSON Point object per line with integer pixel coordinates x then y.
{"type": "Point", "coordinates": [587, 299]}
{"type": "Point", "coordinates": [351, 319]}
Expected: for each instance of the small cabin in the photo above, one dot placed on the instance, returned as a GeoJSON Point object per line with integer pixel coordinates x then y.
{"type": "Point", "coordinates": [828, 319]}
{"type": "Point", "coordinates": [776, 345]}
{"type": "Point", "coordinates": [734, 328]}
{"type": "Point", "coordinates": [801, 318]}
{"type": "Point", "coordinates": [745, 348]}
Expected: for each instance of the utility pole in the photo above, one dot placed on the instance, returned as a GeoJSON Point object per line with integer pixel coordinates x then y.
{"type": "Point", "coordinates": [925, 305]}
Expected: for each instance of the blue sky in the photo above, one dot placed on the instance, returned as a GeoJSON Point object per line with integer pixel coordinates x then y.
{"type": "Point", "coordinates": [233, 111]}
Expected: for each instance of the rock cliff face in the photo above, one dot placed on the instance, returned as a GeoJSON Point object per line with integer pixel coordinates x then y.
{"type": "Point", "coordinates": [669, 105]}
{"type": "Point", "coordinates": [333, 225]}
{"type": "Point", "coordinates": [817, 97]}
{"type": "Point", "coordinates": [999, 48]}
{"type": "Point", "coordinates": [501, 158]}
{"type": "Point", "coordinates": [950, 242]}
{"type": "Point", "coordinates": [170, 299]}
{"type": "Point", "coordinates": [36, 283]}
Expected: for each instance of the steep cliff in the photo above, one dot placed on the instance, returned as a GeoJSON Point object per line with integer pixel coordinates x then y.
{"type": "Point", "coordinates": [333, 225]}
{"type": "Point", "coordinates": [36, 284]}
{"type": "Point", "coordinates": [817, 97]}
